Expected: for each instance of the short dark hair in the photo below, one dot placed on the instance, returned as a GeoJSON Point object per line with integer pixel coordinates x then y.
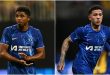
{"type": "Point", "coordinates": [95, 7]}
{"type": "Point", "coordinates": [24, 9]}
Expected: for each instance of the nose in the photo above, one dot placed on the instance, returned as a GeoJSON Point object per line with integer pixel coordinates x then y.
{"type": "Point", "coordinates": [98, 16]}
{"type": "Point", "coordinates": [18, 18]}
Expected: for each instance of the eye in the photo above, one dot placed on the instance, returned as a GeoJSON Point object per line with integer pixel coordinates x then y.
{"type": "Point", "coordinates": [16, 15]}
{"type": "Point", "coordinates": [100, 14]}
{"type": "Point", "coordinates": [95, 14]}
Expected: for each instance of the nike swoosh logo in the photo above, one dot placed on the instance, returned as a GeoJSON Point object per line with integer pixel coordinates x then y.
{"type": "Point", "coordinates": [14, 38]}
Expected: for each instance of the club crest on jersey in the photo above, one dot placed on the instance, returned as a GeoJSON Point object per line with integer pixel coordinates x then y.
{"type": "Point", "coordinates": [20, 48]}
{"type": "Point", "coordinates": [94, 48]}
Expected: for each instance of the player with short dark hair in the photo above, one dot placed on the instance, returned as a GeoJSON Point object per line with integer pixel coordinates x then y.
{"type": "Point", "coordinates": [92, 38]}
{"type": "Point", "coordinates": [24, 9]}
{"type": "Point", "coordinates": [94, 8]}
{"type": "Point", "coordinates": [21, 44]}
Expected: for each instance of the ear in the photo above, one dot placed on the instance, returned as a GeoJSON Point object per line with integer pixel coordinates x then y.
{"type": "Point", "coordinates": [29, 18]}
{"type": "Point", "coordinates": [89, 17]}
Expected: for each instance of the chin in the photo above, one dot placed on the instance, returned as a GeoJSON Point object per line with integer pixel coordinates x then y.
{"type": "Point", "coordinates": [20, 24]}
{"type": "Point", "coordinates": [98, 24]}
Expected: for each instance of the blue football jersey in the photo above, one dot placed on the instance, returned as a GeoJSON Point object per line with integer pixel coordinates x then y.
{"type": "Point", "coordinates": [21, 41]}
{"type": "Point", "coordinates": [91, 44]}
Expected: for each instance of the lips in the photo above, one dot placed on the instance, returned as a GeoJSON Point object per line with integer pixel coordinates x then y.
{"type": "Point", "coordinates": [98, 22]}
{"type": "Point", "coordinates": [19, 22]}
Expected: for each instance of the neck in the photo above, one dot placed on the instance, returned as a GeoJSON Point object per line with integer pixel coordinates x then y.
{"type": "Point", "coordinates": [23, 27]}
{"type": "Point", "coordinates": [95, 27]}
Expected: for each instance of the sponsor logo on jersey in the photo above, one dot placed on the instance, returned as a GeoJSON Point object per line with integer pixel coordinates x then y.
{"type": "Point", "coordinates": [94, 48]}
{"type": "Point", "coordinates": [20, 48]}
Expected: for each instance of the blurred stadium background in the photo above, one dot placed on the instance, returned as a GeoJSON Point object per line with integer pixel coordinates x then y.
{"type": "Point", "coordinates": [42, 17]}
{"type": "Point", "coordinates": [69, 16]}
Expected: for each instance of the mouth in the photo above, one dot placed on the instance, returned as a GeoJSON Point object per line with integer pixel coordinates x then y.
{"type": "Point", "coordinates": [98, 22]}
{"type": "Point", "coordinates": [19, 22]}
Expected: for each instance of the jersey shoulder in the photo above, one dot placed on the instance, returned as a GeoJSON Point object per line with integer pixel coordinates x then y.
{"type": "Point", "coordinates": [33, 29]}
{"type": "Point", "coordinates": [10, 29]}
{"type": "Point", "coordinates": [105, 27]}
{"type": "Point", "coordinates": [84, 29]}
{"type": "Point", "coordinates": [87, 27]}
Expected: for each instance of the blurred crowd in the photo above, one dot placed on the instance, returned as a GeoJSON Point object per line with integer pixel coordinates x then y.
{"type": "Point", "coordinates": [48, 10]}
{"type": "Point", "coordinates": [41, 10]}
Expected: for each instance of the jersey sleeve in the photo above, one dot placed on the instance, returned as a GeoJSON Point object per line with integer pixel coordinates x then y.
{"type": "Point", "coordinates": [107, 47]}
{"type": "Point", "coordinates": [108, 39]}
{"type": "Point", "coordinates": [39, 41]}
{"type": "Point", "coordinates": [5, 37]}
{"type": "Point", "coordinates": [107, 44]}
{"type": "Point", "coordinates": [76, 34]}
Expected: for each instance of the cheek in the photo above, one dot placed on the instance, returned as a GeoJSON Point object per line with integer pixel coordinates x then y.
{"type": "Point", "coordinates": [16, 19]}
{"type": "Point", "coordinates": [93, 18]}
{"type": "Point", "coordinates": [101, 17]}
{"type": "Point", "coordinates": [25, 20]}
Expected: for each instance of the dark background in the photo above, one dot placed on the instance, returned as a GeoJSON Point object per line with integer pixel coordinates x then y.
{"type": "Point", "coordinates": [42, 18]}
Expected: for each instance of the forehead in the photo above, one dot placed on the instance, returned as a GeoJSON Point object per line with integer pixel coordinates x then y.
{"type": "Point", "coordinates": [20, 13]}
{"type": "Point", "coordinates": [96, 11]}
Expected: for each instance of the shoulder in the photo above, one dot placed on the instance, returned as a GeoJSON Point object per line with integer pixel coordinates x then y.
{"type": "Point", "coordinates": [83, 28]}
{"type": "Point", "coordinates": [106, 28]}
{"type": "Point", "coordinates": [10, 28]}
{"type": "Point", "coordinates": [34, 30]}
